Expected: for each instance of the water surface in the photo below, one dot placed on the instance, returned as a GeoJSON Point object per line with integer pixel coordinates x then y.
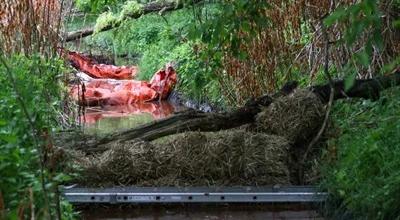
{"type": "Point", "coordinates": [108, 119]}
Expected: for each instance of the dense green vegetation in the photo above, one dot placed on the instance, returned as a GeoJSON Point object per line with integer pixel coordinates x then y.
{"type": "Point", "coordinates": [225, 52]}
{"type": "Point", "coordinates": [29, 105]}
{"type": "Point", "coordinates": [366, 173]}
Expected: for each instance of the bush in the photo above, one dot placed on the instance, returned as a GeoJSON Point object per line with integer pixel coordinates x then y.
{"type": "Point", "coordinates": [366, 175]}
{"type": "Point", "coordinates": [28, 116]}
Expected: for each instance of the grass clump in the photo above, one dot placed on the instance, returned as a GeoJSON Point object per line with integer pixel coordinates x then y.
{"type": "Point", "coordinates": [364, 169]}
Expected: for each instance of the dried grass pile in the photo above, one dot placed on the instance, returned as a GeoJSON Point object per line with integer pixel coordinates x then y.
{"type": "Point", "coordinates": [226, 158]}
{"type": "Point", "coordinates": [297, 117]}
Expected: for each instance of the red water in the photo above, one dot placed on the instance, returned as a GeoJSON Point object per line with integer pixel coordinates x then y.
{"type": "Point", "coordinates": [157, 110]}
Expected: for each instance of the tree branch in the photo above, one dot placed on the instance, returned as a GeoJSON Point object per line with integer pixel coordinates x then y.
{"type": "Point", "coordinates": [155, 6]}
{"type": "Point", "coordinates": [328, 108]}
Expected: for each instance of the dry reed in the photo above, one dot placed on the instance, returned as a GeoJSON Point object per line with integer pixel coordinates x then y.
{"type": "Point", "coordinates": [29, 26]}
{"type": "Point", "coordinates": [293, 44]}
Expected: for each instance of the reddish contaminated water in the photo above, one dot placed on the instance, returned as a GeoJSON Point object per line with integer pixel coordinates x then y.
{"type": "Point", "coordinates": [108, 119]}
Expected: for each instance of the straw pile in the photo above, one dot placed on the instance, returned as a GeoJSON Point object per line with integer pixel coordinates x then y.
{"type": "Point", "coordinates": [297, 117]}
{"type": "Point", "coordinates": [226, 158]}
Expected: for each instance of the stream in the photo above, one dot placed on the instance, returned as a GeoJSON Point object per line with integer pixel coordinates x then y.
{"type": "Point", "coordinates": [108, 119]}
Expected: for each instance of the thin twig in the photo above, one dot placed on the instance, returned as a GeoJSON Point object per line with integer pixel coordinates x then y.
{"type": "Point", "coordinates": [328, 108]}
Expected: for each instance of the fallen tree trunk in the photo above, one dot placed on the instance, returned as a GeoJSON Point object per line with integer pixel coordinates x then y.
{"type": "Point", "coordinates": [368, 88]}
{"type": "Point", "coordinates": [156, 6]}
{"type": "Point", "coordinates": [199, 121]}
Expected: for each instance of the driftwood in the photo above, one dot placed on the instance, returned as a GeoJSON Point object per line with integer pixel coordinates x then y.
{"type": "Point", "coordinates": [199, 121]}
{"type": "Point", "coordinates": [156, 6]}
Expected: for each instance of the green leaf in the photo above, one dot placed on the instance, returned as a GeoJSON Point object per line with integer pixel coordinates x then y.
{"type": "Point", "coordinates": [3, 123]}
{"type": "Point", "coordinates": [9, 138]}
{"type": "Point", "coordinates": [335, 16]}
{"type": "Point", "coordinates": [363, 58]}
{"type": "Point", "coordinates": [349, 81]}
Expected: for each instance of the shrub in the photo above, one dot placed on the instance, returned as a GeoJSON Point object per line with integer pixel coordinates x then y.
{"type": "Point", "coordinates": [366, 175]}
{"type": "Point", "coordinates": [28, 117]}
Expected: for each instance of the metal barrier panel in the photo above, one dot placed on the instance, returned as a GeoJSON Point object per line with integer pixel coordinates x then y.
{"type": "Point", "coordinates": [123, 195]}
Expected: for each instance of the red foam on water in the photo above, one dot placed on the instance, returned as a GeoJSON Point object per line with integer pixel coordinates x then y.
{"type": "Point", "coordinates": [121, 92]}
{"type": "Point", "coordinates": [101, 71]}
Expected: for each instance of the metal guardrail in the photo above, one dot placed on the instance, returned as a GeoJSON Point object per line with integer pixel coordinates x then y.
{"type": "Point", "coordinates": [124, 195]}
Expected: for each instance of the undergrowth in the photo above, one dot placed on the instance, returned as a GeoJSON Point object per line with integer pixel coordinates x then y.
{"type": "Point", "coordinates": [29, 102]}
{"type": "Point", "coordinates": [363, 173]}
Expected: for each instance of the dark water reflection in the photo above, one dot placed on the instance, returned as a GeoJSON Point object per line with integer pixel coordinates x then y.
{"type": "Point", "coordinates": [108, 119]}
{"type": "Point", "coordinates": [197, 212]}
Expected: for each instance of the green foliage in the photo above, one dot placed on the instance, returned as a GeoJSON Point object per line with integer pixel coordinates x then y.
{"type": "Point", "coordinates": [95, 5]}
{"type": "Point", "coordinates": [224, 32]}
{"type": "Point", "coordinates": [366, 174]}
{"type": "Point", "coordinates": [27, 114]}
{"type": "Point", "coordinates": [104, 5]}
{"type": "Point", "coordinates": [83, 5]}
{"type": "Point", "coordinates": [77, 23]}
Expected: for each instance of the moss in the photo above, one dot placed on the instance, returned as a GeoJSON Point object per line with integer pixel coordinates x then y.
{"type": "Point", "coordinates": [131, 9]}
{"type": "Point", "coordinates": [104, 20]}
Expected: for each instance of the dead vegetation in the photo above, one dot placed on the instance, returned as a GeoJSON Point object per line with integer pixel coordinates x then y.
{"type": "Point", "coordinates": [297, 117]}
{"type": "Point", "coordinates": [30, 26]}
{"type": "Point", "coordinates": [292, 45]}
{"type": "Point", "coordinates": [192, 159]}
